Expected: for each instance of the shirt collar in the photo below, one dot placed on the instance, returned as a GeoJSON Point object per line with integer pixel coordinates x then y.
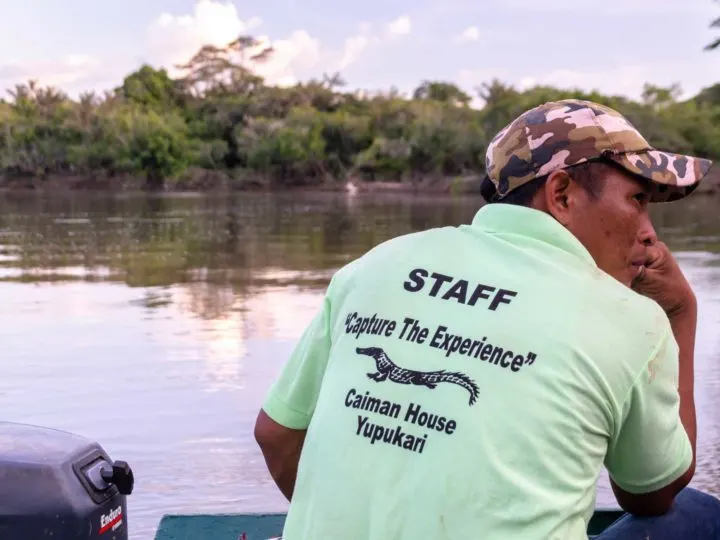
{"type": "Point", "coordinates": [531, 223]}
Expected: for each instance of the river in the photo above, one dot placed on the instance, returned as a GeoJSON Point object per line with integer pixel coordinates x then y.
{"type": "Point", "coordinates": [155, 324]}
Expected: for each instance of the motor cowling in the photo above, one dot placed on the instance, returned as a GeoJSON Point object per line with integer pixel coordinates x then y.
{"type": "Point", "coordinates": [60, 486]}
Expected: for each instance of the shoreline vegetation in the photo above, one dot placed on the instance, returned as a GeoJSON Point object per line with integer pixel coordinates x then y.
{"type": "Point", "coordinates": [219, 126]}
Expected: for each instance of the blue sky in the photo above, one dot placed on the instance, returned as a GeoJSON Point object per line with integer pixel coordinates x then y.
{"type": "Point", "coordinates": [613, 46]}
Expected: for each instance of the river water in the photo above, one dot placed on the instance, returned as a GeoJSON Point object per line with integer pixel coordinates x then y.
{"type": "Point", "coordinates": [155, 325]}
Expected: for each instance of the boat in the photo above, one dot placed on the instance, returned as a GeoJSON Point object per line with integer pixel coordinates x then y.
{"type": "Point", "coordinates": [259, 526]}
{"type": "Point", "coordinates": [57, 483]}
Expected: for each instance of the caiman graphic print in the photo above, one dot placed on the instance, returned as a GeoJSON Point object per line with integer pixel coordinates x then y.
{"type": "Point", "coordinates": [387, 369]}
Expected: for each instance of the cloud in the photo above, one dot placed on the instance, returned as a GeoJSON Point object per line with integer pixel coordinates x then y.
{"type": "Point", "coordinates": [354, 48]}
{"type": "Point", "coordinates": [609, 7]}
{"type": "Point", "coordinates": [174, 39]}
{"type": "Point", "coordinates": [471, 33]}
{"type": "Point", "coordinates": [400, 26]}
{"type": "Point", "coordinates": [367, 38]}
{"type": "Point", "coordinates": [65, 72]}
{"type": "Point", "coordinates": [299, 53]}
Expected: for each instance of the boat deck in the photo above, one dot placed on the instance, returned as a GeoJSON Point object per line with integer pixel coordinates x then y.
{"type": "Point", "coordinates": [264, 526]}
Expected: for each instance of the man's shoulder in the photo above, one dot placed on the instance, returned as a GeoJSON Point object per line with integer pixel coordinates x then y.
{"type": "Point", "coordinates": [627, 301]}
{"type": "Point", "coordinates": [628, 319]}
{"type": "Point", "coordinates": [426, 236]}
{"type": "Point", "coordinates": [387, 251]}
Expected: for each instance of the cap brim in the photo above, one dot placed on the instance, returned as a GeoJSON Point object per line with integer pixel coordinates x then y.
{"type": "Point", "coordinates": [673, 176]}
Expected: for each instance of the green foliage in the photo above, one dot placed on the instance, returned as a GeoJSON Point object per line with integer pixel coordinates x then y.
{"type": "Point", "coordinates": [443, 92]}
{"type": "Point", "coordinates": [132, 140]}
{"type": "Point", "coordinates": [218, 115]}
{"type": "Point", "coordinates": [152, 88]}
{"type": "Point", "coordinates": [156, 145]}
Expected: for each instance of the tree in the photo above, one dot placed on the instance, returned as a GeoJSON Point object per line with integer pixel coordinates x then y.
{"type": "Point", "coordinates": [219, 121]}
{"type": "Point", "coordinates": [444, 92]}
{"type": "Point", "coordinates": [715, 44]}
{"type": "Point", "coordinates": [151, 87]}
{"type": "Point", "coordinates": [223, 70]}
{"type": "Point", "coordinates": [157, 146]}
{"type": "Point", "coordinates": [658, 97]}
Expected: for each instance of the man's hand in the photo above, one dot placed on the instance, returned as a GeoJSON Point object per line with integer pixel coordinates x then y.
{"type": "Point", "coordinates": [662, 280]}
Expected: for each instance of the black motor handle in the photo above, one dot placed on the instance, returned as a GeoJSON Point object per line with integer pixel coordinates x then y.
{"type": "Point", "coordinates": [121, 475]}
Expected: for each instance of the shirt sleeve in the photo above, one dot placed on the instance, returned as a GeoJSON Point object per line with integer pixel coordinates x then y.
{"type": "Point", "coordinates": [292, 398]}
{"type": "Point", "coordinates": [651, 449]}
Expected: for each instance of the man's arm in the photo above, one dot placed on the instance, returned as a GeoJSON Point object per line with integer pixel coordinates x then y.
{"type": "Point", "coordinates": [653, 424]}
{"type": "Point", "coordinates": [683, 323]}
{"type": "Point", "coordinates": [289, 406]}
{"type": "Point", "coordinates": [281, 448]}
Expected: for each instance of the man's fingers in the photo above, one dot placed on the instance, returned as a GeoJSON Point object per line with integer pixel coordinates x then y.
{"type": "Point", "coordinates": [637, 280]}
{"type": "Point", "coordinates": [654, 256]}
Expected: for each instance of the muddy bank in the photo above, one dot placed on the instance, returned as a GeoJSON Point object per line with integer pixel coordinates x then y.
{"type": "Point", "coordinates": [200, 180]}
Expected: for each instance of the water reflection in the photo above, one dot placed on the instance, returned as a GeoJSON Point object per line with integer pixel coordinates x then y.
{"type": "Point", "coordinates": [155, 324]}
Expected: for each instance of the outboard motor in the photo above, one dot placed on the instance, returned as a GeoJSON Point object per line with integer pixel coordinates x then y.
{"type": "Point", "coordinates": [56, 485]}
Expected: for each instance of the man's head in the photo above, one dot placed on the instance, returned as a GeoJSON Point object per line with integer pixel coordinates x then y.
{"type": "Point", "coordinates": [588, 167]}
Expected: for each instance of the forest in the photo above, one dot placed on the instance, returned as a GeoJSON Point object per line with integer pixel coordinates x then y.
{"type": "Point", "coordinates": [218, 123]}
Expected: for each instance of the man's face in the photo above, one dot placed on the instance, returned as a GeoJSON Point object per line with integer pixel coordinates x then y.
{"type": "Point", "coordinates": [615, 227]}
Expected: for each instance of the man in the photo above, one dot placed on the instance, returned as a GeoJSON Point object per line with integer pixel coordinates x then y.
{"type": "Point", "coordinates": [472, 381]}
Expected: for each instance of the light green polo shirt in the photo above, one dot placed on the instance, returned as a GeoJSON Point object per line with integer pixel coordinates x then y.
{"type": "Point", "coordinates": [471, 382]}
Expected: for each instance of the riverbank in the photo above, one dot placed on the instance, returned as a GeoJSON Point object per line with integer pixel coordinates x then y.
{"type": "Point", "coordinates": [205, 180]}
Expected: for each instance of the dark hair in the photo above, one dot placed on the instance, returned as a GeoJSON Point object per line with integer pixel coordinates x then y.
{"type": "Point", "coordinates": [587, 174]}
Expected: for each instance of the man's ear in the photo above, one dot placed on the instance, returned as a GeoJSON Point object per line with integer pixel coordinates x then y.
{"type": "Point", "coordinates": [558, 195]}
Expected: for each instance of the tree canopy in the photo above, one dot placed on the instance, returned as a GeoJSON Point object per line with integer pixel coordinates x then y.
{"type": "Point", "coordinates": [218, 116]}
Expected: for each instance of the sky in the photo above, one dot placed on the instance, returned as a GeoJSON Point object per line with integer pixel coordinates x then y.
{"type": "Point", "coordinates": [614, 46]}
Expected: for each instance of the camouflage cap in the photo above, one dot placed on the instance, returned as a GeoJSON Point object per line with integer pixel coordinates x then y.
{"type": "Point", "coordinates": [562, 133]}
